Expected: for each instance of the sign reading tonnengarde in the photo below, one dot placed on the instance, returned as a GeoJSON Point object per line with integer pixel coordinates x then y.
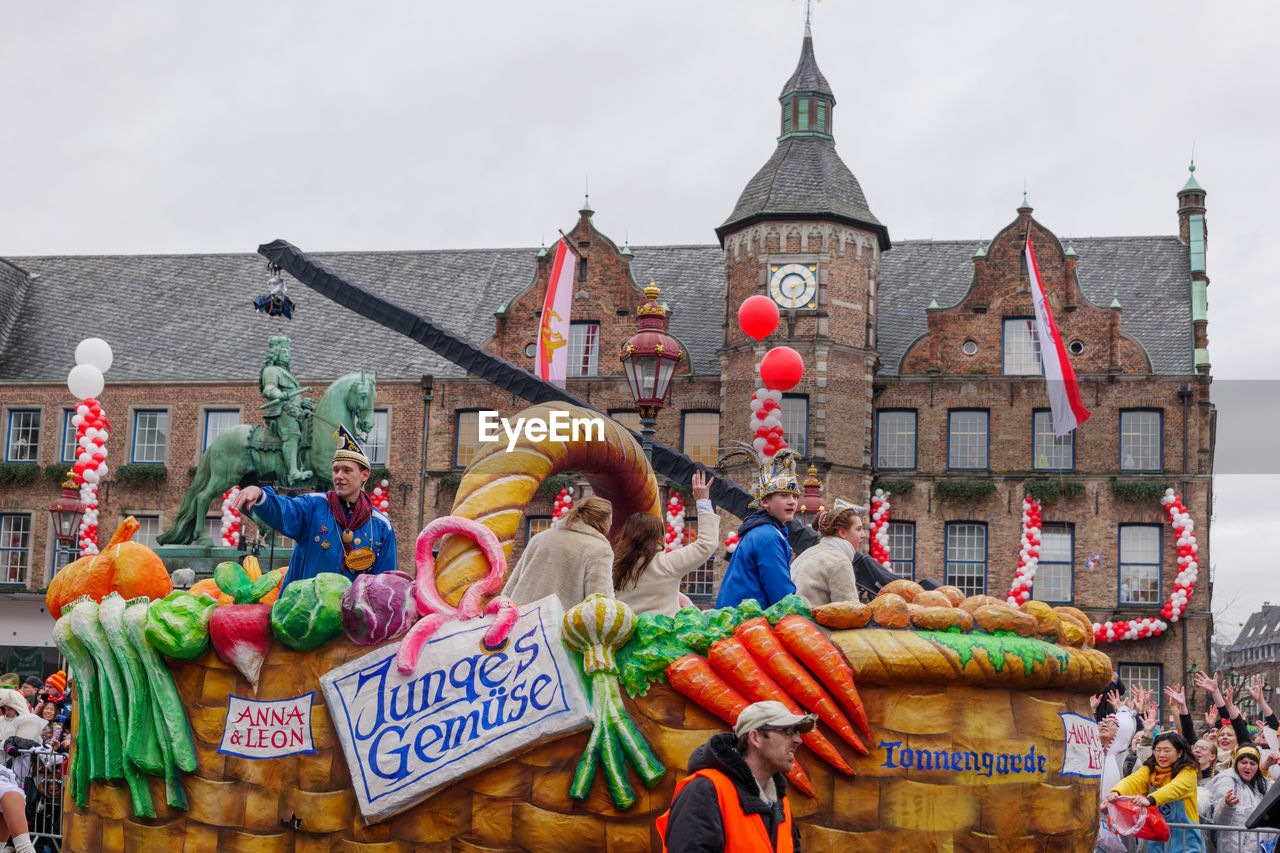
{"type": "Point", "coordinates": [462, 708]}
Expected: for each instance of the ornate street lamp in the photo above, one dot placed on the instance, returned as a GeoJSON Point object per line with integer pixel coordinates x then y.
{"type": "Point", "coordinates": [66, 512]}
{"type": "Point", "coordinates": [812, 502]}
{"type": "Point", "coordinates": [649, 359]}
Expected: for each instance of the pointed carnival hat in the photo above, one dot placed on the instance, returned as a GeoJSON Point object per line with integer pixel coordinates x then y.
{"type": "Point", "coordinates": [349, 450]}
{"type": "Point", "coordinates": [841, 505]}
{"type": "Point", "coordinates": [777, 476]}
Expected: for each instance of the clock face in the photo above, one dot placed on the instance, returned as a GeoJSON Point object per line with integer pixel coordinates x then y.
{"type": "Point", "coordinates": [794, 285]}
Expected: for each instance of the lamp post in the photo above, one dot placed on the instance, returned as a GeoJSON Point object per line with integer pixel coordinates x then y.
{"type": "Point", "coordinates": [649, 359]}
{"type": "Point", "coordinates": [66, 513]}
{"type": "Point", "coordinates": [812, 502]}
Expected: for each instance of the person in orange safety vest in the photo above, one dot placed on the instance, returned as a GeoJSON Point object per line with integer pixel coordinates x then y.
{"type": "Point", "coordinates": [735, 796]}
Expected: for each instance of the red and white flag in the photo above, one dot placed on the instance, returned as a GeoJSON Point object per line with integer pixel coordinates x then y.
{"type": "Point", "coordinates": [1064, 394]}
{"type": "Point", "coordinates": [553, 330]}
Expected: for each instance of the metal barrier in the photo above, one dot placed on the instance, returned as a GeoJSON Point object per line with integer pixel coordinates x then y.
{"type": "Point", "coordinates": [41, 774]}
{"type": "Point", "coordinates": [1212, 834]}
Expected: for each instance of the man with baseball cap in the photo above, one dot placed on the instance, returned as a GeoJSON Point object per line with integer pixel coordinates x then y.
{"type": "Point", "coordinates": [336, 531]}
{"type": "Point", "coordinates": [734, 798]}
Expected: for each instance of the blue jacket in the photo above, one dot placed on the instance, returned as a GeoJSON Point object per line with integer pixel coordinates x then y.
{"type": "Point", "coordinates": [761, 564]}
{"type": "Point", "coordinates": [308, 521]}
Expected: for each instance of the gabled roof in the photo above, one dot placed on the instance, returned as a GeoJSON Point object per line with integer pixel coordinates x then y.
{"type": "Point", "coordinates": [1262, 629]}
{"type": "Point", "coordinates": [176, 317]}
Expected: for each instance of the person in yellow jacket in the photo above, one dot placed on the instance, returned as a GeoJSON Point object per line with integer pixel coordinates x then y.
{"type": "Point", "coordinates": [1167, 780]}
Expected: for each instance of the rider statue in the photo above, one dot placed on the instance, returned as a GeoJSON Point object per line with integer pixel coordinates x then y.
{"type": "Point", "coordinates": [285, 409]}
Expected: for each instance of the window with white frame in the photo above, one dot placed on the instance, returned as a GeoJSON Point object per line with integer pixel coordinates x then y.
{"type": "Point", "coordinates": [1147, 675]}
{"type": "Point", "coordinates": [1054, 571]}
{"type": "Point", "coordinates": [700, 582]}
{"type": "Point", "coordinates": [63, 555]}
{"type": "Point", "coordinates": [535, 524]}
{"type": "Point", "coordinates": [1139, 564]}
{"type": "Point", "coordinates": [23, 443]}
{"type": "Point", "coordinates": [967, 556]}
{"type": "Point", "coordinates": [69, 430]}
{"type": "Point", "coordinates": [795, 422]}
{"type": "Point", "coordinates": [218, 421]}
{"type": "Point", "coordinates": [700, 436]}
{"type": "Point", "coordinates": [213, 527]}
{"type": "Point", "coordinates": [375, 444]}
{"type": "Point", "coordinates": [967, 438]}
{"type": "Point", "coordinates": [150, 435]}
{"type": "Point", "coordinates": [466, 438]}
{"type": "Point", "coordinates": [1140, 440]}
{"type": "Point", "coordinates": [584, 349]}
{"type": "Point", "coordinates": [629, 418]}
{"type": "Point", "coordinates": [902, 549]}
{"type": "Point", "coordinates": [15, 547]}
{"type": "Point", "coordinates": [896, 439]}
{"type": "Point", "coordinates": [148, 529]}
{"type": "Point", "coordinates": [1021, 347]}
{"type": "Point", "coordinates": [1049, 452]}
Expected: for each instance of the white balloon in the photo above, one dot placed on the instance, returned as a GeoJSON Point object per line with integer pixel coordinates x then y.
{"type": "Point", "coordinates": [85, 381]}
{"type": "Point", "coordinates": [94, 352]}
{"type": "Point", "coordinates": [103, 469]}
{"type": "Point", "coordinates": [384, 483]}
{"type": "Point", "coordinates": [91, 476]}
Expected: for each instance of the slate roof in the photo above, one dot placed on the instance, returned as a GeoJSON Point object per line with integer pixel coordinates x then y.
{"type": "Point", "coordinates": [1262, 629]}
{"type": "Point", "coordinates": [180, 317]}
{"type": "Point", "coordinates": [1152, 275]}
{"type": "Point", "coordinates": [190, 317]}
{"type": "Point", "coordinates": [805, 176]}
{"type": "Point", "coordinates": [807, 77]}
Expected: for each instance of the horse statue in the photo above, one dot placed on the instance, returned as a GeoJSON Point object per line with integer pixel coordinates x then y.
{"type": "Point", "coordinates": [247, 453]}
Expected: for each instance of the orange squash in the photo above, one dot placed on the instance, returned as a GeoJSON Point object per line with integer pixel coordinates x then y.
{"type": "Point", "coordinates": [209, 588]}
{"type": "Point", "coordinates": [253, 569]}
{"type": "Point", "coordinates": [129, 568]}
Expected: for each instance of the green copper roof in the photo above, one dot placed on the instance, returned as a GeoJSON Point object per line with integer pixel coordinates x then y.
{"type": "Point", "coordinates": [1191, 183]}
{"type": "Point", "coordinates": [1071, 249]}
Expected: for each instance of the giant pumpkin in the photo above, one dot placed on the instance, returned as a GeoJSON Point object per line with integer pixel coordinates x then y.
{"type": "Point", "coordinates": [129, 568]}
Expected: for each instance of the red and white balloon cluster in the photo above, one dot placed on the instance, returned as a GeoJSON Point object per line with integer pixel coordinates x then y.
{"type": "Point", "coordinates": [1029, 555]}
{"type": "Point", "coordinates": [564, 503]}
{"type": "Point", "coordinates": [1184, 583]}
{"type": "Point", "coordinates": [675, 522]}
{"type": "Point", "coordinates": [378, 494]}
{"type": "Point", "coordinates": [92, 431]}
{"type": "Point", "coordinates": [880, 506]}
{"type": "Point", "coordinates": [730, 545]}
{"type": "Point", "coordinates": [230, 531]}
{"type": "Point", "coordinates": [766, 417]}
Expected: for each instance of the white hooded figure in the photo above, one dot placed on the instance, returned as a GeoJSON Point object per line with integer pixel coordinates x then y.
{"type": "Point", "coordinates": [1112, 772]}
{"type": "Point", "coordinates": [16, 720]}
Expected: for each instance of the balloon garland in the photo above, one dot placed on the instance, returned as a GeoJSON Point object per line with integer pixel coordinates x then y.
{"type": "Point", "coordinates": [730, 544]}
{"type": "Point", "coordinates": [230, 532]}
{"type": "Point", "coordinates": [766, 415]}
{"type": "Point", "coordinates": [1184, 583]}
{"type": "Point", "coordinates": [675, 522]}
{"type": "Point", "coordinates": [563, 503]}
{"type": "Point", "coordinates": [85, 382]}
{"type": "Point", "coordinates": [880, 506]}
{"type": "Point", "coordinates": [1029, 553]}
{"type": "Point", "coordinates": [379, 496]}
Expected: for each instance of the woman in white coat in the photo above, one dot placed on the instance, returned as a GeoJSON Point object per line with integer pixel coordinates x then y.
{"type": "Point", "coordinates": [16, 721]}
{"type": "Point", "coordinates": [824, 573]}
{"type": "Point", "coordinates": [569, 561]}
{"type": "Point", "coordinates": [646, 578]}
{"type": "Point", "coordinates": [1233, 795]}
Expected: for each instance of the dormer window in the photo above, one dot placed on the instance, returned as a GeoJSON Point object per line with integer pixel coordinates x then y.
{"type": "Point", "coordinates": [822, 116]}
{"type": "Point", "coordinates": [802, 114]}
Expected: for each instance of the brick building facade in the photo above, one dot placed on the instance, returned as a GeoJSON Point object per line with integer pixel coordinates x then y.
{"type": "Point", "coordinates": [921, 374]}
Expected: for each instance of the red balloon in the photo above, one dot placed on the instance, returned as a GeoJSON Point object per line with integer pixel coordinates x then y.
{"type": "Point", "coordinates": [758, 317]}
{"type": "Point", "coordinates": [781, 368]}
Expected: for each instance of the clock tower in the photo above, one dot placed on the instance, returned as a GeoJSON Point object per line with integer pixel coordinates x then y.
{"type": "Point", "coordinates": [803, 235]}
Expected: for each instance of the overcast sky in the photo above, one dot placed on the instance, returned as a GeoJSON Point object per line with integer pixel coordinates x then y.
{"type": "Point", "coordinates": [160, 127]}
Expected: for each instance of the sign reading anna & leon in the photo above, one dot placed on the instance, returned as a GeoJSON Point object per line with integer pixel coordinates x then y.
{"type": "Point", "coordinates": [271, 729]}
{"type": "Point", "coordinates": [462, 708]}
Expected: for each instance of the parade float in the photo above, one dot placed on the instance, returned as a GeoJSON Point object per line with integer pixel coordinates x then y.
{"type": "Point", "coordinates": [432, 714]}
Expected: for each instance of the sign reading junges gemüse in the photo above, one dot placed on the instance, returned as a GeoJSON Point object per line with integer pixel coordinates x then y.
{"type": "Point", "coordinates": [462, 708]}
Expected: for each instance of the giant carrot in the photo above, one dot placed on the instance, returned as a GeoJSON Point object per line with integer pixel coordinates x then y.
{"type": "Point", "coordinates": [760, 640]}
{"type": "Point", "coordinates": [824, 660]}
{"type": "Point", "coordinates": [731, 659]}
{"type": "Point", "coordinates": [692, 677]}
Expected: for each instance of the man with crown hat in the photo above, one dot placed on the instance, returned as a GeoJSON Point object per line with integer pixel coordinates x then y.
{"type": "Point", "coordinates": [335, 531]}
{"type": "Point", "coordinates": [761, 564]}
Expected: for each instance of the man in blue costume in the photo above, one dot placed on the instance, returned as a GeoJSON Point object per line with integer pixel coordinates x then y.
{"type": "Point", "coordinates": [761, 564]}
{"type": "Point", "coordinates": [336, 531]}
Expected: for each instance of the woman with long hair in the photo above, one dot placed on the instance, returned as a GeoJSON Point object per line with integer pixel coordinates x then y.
{"type": "Point", "coordinates": [646, 578]}
{"type": "Point", "coordinates": [824, 573]}
{"type": "Point", "coordinates": [1233, 796]}
{"type": "Point", "coordinates": [571, 560]}
{"type": "Point", "coordinates": [17, 727]}
{"type": "Point", "coordinates": [1166, 780]}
